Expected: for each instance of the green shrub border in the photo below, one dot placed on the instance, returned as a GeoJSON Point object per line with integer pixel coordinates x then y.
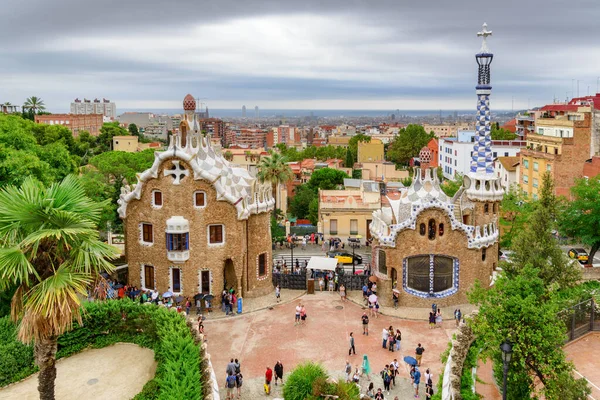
{"type": "Point", "coordinates": [466, 380]}
{"type": "Point", "coordinates": [179, 356]}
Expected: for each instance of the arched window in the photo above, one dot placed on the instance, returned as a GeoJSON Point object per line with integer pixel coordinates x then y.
{"type": "Point", "coordinates": [486, 208]}
{"type": "Point", "coordinates": [441, 230]}
{"type": "Point", "coordinates": [432, 227]}
{"type": "Point", "coordinates": [422, 229]}
{"type": "Point", "coordinates": [431, 275]}
{"type": "Point", "coordinates": [483, 254]}
{"type": "Point", "coordinates": [494, 208]}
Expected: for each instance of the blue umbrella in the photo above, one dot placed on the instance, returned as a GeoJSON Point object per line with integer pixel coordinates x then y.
{"type": "Point", "coordinates": [167, 294]}
{"type": "Point", "coordinates": [410, 360]}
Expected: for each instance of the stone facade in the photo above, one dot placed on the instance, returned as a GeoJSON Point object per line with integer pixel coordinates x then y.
{"type": "Point", "coordinates": [188, 189]}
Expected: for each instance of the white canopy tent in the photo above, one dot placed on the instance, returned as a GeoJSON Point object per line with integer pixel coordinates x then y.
{"type": "Point", "coordinates": [322, 263]}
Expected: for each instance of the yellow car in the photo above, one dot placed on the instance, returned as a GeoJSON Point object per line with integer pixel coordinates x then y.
{"type": "Point", "coordinates": [579, 254]}
{"type": "Point", "coordinates": [345, 258]}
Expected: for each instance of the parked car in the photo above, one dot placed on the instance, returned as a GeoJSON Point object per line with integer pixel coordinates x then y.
{"type": "Point", "coordinates": [579, 254]}
{"type": "Point", "coordinates": [344, 257]}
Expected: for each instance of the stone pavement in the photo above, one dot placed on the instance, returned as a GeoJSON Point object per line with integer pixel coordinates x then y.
{"type": "Point", "coordinates": [261, 338]}
{"type": "Point", "coordinates": [585, 353]}
{"type": "Point", "coordinates": [413, 313]}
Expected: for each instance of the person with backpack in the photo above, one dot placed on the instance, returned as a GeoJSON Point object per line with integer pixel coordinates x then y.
{"type": "Point", "coordinates": [239, 380]}
{"type": "Point", "coordinates": [230, 384]}
{"type": "Point", "coordinates": [416, 380]}
{"type": "Point", "coordinates": [419, 354]}
{"type": "Point", "coordinates": [237, 366]}
{"type": "Point", "coordinates": [387, 379]}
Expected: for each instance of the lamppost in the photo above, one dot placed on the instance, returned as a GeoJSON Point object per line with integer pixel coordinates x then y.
{"type": "Point", "coordinates": [354, 246]}
{"type": "Point", "coordinates": [292, 245]}
{"type": "Point", "coordinates": [506, 349]}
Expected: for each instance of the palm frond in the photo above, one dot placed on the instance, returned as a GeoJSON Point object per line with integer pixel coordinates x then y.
{"type": "Point", "coordinates": [51, 306]}
{"type": "Point", "coordinates": [15, 267]}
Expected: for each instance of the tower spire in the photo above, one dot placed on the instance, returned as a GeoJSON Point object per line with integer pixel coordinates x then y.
{"type": "Point", "coordinates": [481, 160]}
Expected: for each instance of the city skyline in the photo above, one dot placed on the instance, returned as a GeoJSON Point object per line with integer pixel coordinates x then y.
{"type": "Point", "coordinates": [285, 55]}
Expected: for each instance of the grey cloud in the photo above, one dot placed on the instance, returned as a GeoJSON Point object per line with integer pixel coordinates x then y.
{"type": "Point", "coordinates": [527, 37]}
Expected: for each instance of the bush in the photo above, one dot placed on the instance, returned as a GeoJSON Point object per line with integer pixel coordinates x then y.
{"type": "Point", "coordinates": [16, 359]}
{"type": "Point", "coordinates": [178, 374]}
{"type": "Point", "coordinates": [299, 385]}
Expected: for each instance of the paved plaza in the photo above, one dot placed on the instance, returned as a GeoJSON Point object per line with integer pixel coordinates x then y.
{"type": "Point", "coordinates": [261, 338]}
{"type": "Point", "coordinates": [117, 372]}
{"type": "Point", "coordinates": [585, 353]}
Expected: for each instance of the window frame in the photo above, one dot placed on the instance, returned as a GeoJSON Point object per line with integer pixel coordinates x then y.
{"type": "Point", "coordinates": [331, 231]}
{"type": "Point", "coordinates": [203, 197]}
{"type": "Point", "coordinates": [185, 240]}
{"type": "Point", "coordinates": [453, 289]}
{"type": "Point", "coordinates": [262, 256]}
{"type": "Point", "coordinates": [209, 235]}
{"type": "Point", "coordinates": [143, 232]}
{"type": "Point", "coordinates": [143, 273]}
{"type": "Point", "coordinates": [172, 279]}
{"type": "Point", "coordinates": [154, 204]}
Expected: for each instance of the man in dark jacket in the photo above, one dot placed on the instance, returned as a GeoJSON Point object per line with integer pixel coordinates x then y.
{"type": "Point", "coordinates": [279, 372]}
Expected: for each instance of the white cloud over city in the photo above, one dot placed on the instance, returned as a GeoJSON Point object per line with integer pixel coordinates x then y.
{"type": "Point", "coordinates": [309, 55]}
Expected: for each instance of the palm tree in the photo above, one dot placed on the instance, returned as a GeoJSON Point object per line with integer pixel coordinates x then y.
{"type": "Point", "coordinates": [275, 169]}
{"type": "Point", "coordinates": [34, 104]}
{"type": "Point", "coordinates": [50, 250]}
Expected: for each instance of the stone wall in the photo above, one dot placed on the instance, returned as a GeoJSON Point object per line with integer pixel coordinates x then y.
{"type": "Point", "coordinates": [454, 365]}
{"type": "Point", "coordinates": [453, 244]}
{"type": "Point", "coordinates": [210, 382]}
{"type": "Point", "coordinates": [178, 200]}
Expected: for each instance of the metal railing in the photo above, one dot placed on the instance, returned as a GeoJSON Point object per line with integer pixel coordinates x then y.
{"type": "Point", "coordinates": [580, 319]}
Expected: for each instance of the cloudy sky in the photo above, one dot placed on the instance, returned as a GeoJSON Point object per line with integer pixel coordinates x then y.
{"type": "Point", "coordinates": [307, 54]}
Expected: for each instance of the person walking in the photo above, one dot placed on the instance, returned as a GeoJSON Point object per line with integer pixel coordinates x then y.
{"type": "Point", "coordinates": [229, 370]}
{"type": "Point", "coordinates": [395, 298]}
{"type": "Point", "coordinates": [428, 377]}
{"type": "Point", "coordinates": [278, 293]}
{"type": "Point", "coordinates": [365, 323]}
{"type": "Point", "coordinates": [302, 315]}
{"type": "Point", "coordinates": [352, 349]}
{"type": "Point", "coordinates": [298, 310]}
{"type": "Point", "coordinates": [365, 367]}
{"type": "Point", "coordinates": [419, 354]}
{"type": "Point", "coordinates": [230, 385]}
{"type": "Point", "coordinates": [457, 316]}
{"type": "Point", "coordinates": [188, 306]}
{"type": "Point", "coordinates": [348, 371]}
{"type": "Point", "coordinates": [268, 379]}
{"type": "Point", "coordinates": [387, 379]}
{"type": "Point", "coordinates": [431, 320]}
{"type": "Point", "coordinates": [238, 384]}
{"type": "Point", "coordinates": [237, 367]}
{"type": "Point", "coordinates": [384, 337]}
{"type": "Point", "coordinates": [428, 392]}
{"type": "Point", "coordinates": [416, 381]}
{"type": "Point", "coordinates": [278, 372]}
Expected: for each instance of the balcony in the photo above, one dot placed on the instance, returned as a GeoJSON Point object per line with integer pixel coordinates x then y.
{"type": "Point", "coordinates": [537, 152]}
{"type": "Point", "coordinates": [178, 256]}
{"type": "Point", "coordinates": [522, 117]}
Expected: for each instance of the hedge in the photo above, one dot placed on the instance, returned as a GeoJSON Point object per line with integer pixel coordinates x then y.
{"type": "Point", "coordinates": [309, 381]}
{"type": "Point", "coordinates": [178, 374]}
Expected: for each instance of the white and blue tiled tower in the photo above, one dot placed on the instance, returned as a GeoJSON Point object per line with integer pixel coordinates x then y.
{"type": "Point", "coordinates": [482, 162]}
{"type": "Point", "coordinates": [481, 182]}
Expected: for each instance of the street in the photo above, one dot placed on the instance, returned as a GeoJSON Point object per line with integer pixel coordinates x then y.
{"type": "Point", "coordinates": [316, 250]}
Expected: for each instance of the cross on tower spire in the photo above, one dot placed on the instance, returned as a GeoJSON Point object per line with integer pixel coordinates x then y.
{"type": "Point", "coordinates": [484, 33]}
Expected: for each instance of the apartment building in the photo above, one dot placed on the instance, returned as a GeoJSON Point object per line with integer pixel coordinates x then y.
{"type": "Point", "coordinates": [75, 122]}
{"type": "Point", "coordinates": [104, 107]}
{"type": "Point", "coordinates": [560, 145]}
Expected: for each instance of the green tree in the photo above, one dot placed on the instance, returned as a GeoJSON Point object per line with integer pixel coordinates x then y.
{"type": "Point", "coordinates": [521, 308]}
{"type": "Point", "coordinates": [275, 169]}
{"type": "Point", "coordinates": [515, 210]}
{"type": "Point", "coordinates": [536, 246]}
{"type": "Point", "coordinates": [49, 248]}
{"type": "Point", "coordinates": [97, 186]}
{"type": "Point", "coordinates": [327, 179]}
{"type": "Point", "coordinates": [133, 130]}
{"type": "Point", "coordinates": [59, 159]}
{"type": "Point", "coordinates": [276, 230]}
{"type": "Point", "coordinates": [501, 134]}
{"type": "Point", "coordinates": [16, 166]}
{"type": "Point", "coordinates": [34, 104]}
{"type": "Point", "coordinates": [301, 201]}
{"type": "Point", "coordinates": [581, 217]}
{"type": "Point", "coordinates": [451, 186]}
{"type": "Point", "coordinates": [349, 159]}
{"type": "Point", "coordinates": [313, 211]}
{"type": "Point", "coordinates": [408, 144]}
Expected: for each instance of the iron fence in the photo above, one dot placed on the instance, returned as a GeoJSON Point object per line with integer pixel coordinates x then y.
{"type": "Point", "coordinates": [580, 319]}
{"type": "Point", "coordinates": [290, 281]}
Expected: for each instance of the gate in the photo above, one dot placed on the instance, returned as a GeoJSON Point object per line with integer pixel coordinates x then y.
{"type": "Point", "coordinates": [290, 281]}
{"type": "Point", "coordinates": [580, 319]}
{"type": "Point", "coordinates": [353, 282]}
